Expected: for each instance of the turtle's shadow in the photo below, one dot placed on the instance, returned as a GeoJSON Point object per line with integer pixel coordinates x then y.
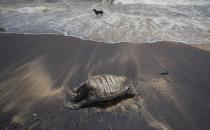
{"type": "Point", "coordinates": [110, 103]}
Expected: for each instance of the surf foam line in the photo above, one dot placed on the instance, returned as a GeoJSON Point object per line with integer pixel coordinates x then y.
{"type": "Point", "coordinates": [163, 2]}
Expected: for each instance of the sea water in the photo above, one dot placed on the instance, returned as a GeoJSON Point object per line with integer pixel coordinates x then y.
{"type": "Point", "coordinates": [135, 21]}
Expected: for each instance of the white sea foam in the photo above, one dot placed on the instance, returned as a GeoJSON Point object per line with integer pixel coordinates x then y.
{"type": "Point", "coordinates": [120, 23]}
{"type": "Point", "coordinates": [164, 2]}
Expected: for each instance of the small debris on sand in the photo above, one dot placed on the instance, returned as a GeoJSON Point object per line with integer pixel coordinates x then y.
{"type": "Point", "coordinates": [34, 114]}
{"type": "Point", "coordinates": [164, 73]}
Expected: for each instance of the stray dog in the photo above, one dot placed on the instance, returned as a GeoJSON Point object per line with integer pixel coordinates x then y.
{"type": "Point", "coordinates": [98, 12]}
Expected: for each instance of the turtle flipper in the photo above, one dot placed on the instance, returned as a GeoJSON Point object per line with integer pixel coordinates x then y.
{"type": "Point", "coordinates": [77, 105]}
{"type": "Point", "coordinates": [72, 106]}
{"type": "Point", "coordinates": [138, 100]}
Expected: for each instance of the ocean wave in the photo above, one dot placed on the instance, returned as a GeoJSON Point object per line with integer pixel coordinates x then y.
{"type": "Point", "coordinates": [121, 22]}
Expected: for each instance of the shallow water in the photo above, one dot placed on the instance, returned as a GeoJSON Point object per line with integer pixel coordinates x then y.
{"type": "Point", "coordinates": [124, 20]}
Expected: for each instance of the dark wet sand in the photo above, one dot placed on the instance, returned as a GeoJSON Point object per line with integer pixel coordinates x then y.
{"type": "Point", "coordinates": [34, 70]}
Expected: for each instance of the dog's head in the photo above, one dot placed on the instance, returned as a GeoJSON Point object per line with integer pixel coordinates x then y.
{"type": "Point", "coordinates": [94, 10]}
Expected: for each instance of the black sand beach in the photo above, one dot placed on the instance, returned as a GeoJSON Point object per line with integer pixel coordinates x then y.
{"type": "Point", "coordinates": [36, 69]}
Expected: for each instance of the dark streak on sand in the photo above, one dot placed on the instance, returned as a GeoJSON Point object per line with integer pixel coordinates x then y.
{"type": "Point", "coordinates": [35, 69]}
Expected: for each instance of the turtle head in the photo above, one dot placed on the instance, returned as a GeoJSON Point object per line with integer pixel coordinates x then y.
{"type": "Point", "coordinates": [77, 96]}
{"type": "Point", "coordinates": [79, 93]}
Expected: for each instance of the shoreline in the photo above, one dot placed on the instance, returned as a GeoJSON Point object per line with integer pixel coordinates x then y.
{"type": "Point", "coordinates": [118, 42]}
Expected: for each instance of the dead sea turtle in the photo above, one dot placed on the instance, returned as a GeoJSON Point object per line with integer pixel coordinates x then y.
{"type": "Point", "coordinates": [101, 88]}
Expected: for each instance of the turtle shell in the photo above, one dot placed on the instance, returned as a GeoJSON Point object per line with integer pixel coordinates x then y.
{"type": "Point", "coordinates": [105, 87]}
